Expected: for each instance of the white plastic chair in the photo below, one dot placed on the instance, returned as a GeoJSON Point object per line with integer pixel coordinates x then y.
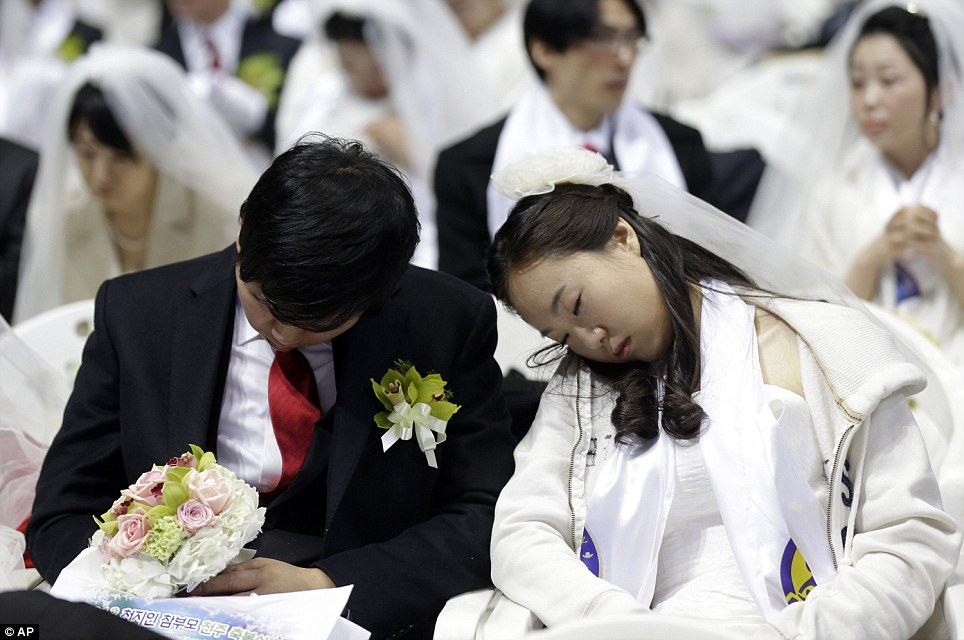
{"type": "Point", "coordinates": [58, 335]}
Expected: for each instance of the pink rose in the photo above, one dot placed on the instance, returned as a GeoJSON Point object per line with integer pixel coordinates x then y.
{"type": "Point", "coordinates": [132, 530]}
{"type": "Point", "coordinates": [149, 488]}
{"type": "Point", "coordinates": [211, 489]}
{"type": "Point", "coordinates": [194, 516]}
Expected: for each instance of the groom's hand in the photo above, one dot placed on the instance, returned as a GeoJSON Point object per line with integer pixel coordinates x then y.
{"type": "Point", "coordinates": [263, 576]}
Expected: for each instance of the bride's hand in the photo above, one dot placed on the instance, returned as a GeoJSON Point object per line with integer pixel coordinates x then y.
{"type": "Point", "coordinates": [913, 228]}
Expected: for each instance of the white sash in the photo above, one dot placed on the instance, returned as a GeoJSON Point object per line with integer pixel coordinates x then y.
{"type": "Point", "coordinates": [535, 124]}
{"type": "Point", "coordinates": [768, 509]}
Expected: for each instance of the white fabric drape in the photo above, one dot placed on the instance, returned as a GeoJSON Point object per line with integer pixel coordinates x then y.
{"type": "Point", "coordinates": [32, 400]}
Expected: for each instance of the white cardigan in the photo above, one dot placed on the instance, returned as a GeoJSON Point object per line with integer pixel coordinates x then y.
{"type": "Point", "coordinates": [889, 575]}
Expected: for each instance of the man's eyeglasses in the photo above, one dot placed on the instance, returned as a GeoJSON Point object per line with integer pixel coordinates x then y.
{"type": "Point", "coordinates": [612, 42]}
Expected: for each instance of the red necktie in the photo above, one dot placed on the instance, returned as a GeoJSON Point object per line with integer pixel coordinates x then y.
{"type": "Point", "coordinates": [215, 58]}
{"type": "Point", "coordinates": [589, 147]}
{"type": "Point", "coordinates": [294, 408]}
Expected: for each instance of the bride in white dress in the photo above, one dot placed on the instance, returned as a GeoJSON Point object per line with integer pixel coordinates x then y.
{"type": "Point", "coordinates": [873, 192]}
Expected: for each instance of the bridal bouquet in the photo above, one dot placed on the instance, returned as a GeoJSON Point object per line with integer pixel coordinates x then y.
{"type": "Point", "coordinates": [177, 526]}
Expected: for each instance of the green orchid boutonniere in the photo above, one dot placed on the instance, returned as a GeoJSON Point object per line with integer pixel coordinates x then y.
{"type": "Point", "coordinates": [416, 405]}
{"type": "Point", "coordinates": [71, 48]}
{"type": "Point", "coordinates": [264, 6]}
{"type": "Point", "coordinates": [264, 72]}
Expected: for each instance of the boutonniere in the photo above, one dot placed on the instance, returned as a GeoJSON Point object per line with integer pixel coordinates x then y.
{"type": "Point", "coordinates": [264, 72]}
{"type": "Point", "coordinates": [416, 405]}
{"type": "Point", "coordinates": [264, 6]}
{"type": "Point", "coordinates": [71, 48]}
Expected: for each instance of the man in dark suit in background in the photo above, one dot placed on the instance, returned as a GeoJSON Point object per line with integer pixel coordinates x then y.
{"type": "Point", "coordinates": [187, 353]}
{"type": "Point", "coordinates": [18, 168]}
{"type": "Point", "coordinates": [237, 59]}
{"type": "Point", "coordinates": [583, 51]}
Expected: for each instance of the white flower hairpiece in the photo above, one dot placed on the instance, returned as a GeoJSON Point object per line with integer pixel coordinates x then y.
{"type": "Point", "coordinates": [541, 172]}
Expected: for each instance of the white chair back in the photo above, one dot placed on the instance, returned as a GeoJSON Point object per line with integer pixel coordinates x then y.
{"type": "Point", "coordinates": [58, 335]}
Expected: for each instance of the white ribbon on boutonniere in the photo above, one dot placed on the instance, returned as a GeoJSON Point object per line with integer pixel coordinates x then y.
{"type": "Point", "coordinates": [418, 419]}
{"type": "Point", "coordinates": [416, 405]}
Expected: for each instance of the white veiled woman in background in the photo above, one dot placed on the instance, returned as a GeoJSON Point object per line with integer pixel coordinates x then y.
{"type": "Point", "coordinates": [873, 190]}
{"type": "Point", "coordinates": [135, 172]}
{"type": "Point", "coordinates": [396, 75]}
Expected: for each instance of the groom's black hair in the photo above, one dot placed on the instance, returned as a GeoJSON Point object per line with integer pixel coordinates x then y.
{"type": "Point", "coordinates": [327, 232]}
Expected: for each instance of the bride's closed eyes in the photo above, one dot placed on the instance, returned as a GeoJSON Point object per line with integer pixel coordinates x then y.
{"type": "Point", "coordinates": [575, 312]}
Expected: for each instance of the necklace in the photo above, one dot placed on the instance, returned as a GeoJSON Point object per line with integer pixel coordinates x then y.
{"type": "Point", "coordinates": [126, 243]}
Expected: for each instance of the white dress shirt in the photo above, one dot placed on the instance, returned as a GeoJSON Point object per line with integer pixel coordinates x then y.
{"type": "Point", "coordinates": [224, 34]}
{"type": "Point", "coordinates": [246, 440]}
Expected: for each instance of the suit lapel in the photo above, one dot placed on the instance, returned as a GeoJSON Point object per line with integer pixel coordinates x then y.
{"type": "Point", "coordinates": [366, 351]}
{"type": "Point", "coordinates": [251, 40]}
{"type": "Point", "coordinates": [199, 354]}
{"type": "Point", "coordinates": [170, 44]}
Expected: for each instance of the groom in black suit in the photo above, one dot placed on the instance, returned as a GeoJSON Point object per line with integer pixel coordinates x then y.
{"type": "Point", "coordinates": [181, 354]}
{"type": "Point", "coordinates": [583, 52]}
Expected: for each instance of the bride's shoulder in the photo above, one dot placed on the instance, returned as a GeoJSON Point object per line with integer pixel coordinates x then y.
{"type": "Point", "coordinates": [779, 351]}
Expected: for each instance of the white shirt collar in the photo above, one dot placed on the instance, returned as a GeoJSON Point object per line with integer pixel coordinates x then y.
{"type": "Point", "coordinates": [243, 331]}
{"type": "Point", "coordinates": [225, 34]}
{"type": "Point", "coordinates": [244, 334]}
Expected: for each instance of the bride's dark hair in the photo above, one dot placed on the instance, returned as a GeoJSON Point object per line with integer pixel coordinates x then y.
{"type": "Point", "coordinates": [575, 218]}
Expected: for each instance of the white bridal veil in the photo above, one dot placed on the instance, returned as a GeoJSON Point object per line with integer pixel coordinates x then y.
{"type": "Point", "coordinates": [821, 139]}
{"type": "Point", "coordinates": [181, 135]}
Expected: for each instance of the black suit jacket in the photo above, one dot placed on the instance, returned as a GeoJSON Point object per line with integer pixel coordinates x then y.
{"type": "Point", "coordinates": [406, 535]}
{"type": "Point", "coordinates": [18, 168]}
{"type": "Point", "coordinates": [462, 177]}
{"type": "Point", "coordinates": [258, 37]}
